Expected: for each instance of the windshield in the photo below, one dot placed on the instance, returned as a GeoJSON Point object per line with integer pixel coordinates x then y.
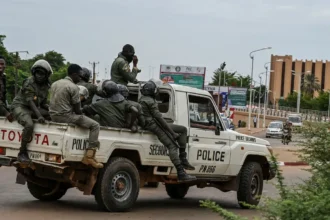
{"type": "Point", "coordinates": [294, 119]}
{"type": "Point", "coordinates": [275, 125]}
{"type": "Point", "coordinates": [225, 120]}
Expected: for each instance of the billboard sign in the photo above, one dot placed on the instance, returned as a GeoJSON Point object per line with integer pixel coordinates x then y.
{"type": "Point", "coordinates": [237, 97]}
{"type": "Point", "coordinates": [183, 75]}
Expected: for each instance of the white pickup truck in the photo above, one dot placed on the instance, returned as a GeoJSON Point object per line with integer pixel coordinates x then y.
{"type": "Point", "coordinates": [223, 158]}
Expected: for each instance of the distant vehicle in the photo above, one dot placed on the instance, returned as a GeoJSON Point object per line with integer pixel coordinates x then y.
{"type": "Point", "coordinates": [275, 129]}
{"type": "Point", "coordinates": [295, 119]}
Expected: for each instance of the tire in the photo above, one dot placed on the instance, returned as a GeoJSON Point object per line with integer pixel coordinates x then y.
{"type": "Point", "coordinates": [40, 192]}
{"type": "Point", "coordinates": [152, 184]}
{"type": "Point", "coordinates": [122, 171]}
{"type": "Point", "coordinates": [176, 191]}
{"type": "Point", "coordinates": [250, 184]}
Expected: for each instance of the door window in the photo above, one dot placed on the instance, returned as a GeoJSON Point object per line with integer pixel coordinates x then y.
{"type": "Point", "coordinates": [202, 113]}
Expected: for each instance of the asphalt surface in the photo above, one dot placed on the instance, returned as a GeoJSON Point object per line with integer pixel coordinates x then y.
{"type": "Point", "coordinates": [274, 141]}
{"type": "Point", "coordinates": [153, 203]}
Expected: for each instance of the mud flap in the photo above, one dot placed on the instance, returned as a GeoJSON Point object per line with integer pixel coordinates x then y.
{"type": "Point", "coordinates": [20, 179]}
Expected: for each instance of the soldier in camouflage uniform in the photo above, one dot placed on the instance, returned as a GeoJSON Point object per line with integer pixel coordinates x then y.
{"type": "Point", "coordinates": [156, 124]}
{"type": "Point", "coordinates": [31, 102]}
{"type": "Point", "coordinates": [65, 108]}
{"type": "Point", "coordinates": [120, 69]}
{"type": "Point", "coordinates": [92, 89]}
{"type": "Point", "coordinates": [123, 90]}
{"type": "Point", "coordinates": [3, 101]}
{"type": "Point", "coordinates": [112, 108]}
{"type": "Point", "coordinates": [288, 126]}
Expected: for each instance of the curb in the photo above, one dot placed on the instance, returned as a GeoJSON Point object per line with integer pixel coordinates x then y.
{"type": "Point", "coordinates": [298, 163]}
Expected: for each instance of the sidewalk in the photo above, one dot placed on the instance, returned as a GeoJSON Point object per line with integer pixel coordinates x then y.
{"type": "Point", "coordinates": [288, 156]}
{"type": "Point", "coordinates": [252, 131]}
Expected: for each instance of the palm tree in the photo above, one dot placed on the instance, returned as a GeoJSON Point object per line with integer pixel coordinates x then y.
{"type": "Point", "coordinates": [311, 84]}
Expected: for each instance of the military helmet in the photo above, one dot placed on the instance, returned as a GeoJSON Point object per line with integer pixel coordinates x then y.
{"type": "Point", "coordinates": [123, 90]}
{"type": "Point", "coordinates": [150, 88]}
{"type": "Point", "coordinates": [83, 91]}
{"type": "Point", "coordinates": [85, 74]}
{"type": "Point", "coordinates": [42, 64]}
{"type": "Point", "coordinates": [111, 91]}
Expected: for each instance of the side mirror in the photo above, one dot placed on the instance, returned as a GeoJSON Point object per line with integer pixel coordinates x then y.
{"type": "Point", "coordinates": [217, 130]}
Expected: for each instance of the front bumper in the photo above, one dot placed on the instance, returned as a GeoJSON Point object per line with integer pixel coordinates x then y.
{"type": "Point", "coordinates": [274, 134]}
{"type": "Point", "coordinates": [6, 161]}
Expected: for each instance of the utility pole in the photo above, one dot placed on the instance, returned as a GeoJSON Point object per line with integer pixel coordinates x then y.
{"type": "Point", "coordinates": [16, 68]}
{"type": "Point", "coordinates": [222, 67]}
{"type": "Point", "coordinates": [94, 64]}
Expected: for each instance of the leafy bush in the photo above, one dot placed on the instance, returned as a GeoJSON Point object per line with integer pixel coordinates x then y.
{"type": "Point", "coordinates": [306, 201]}
{"type": "Point", "coordinates": [243, 124]}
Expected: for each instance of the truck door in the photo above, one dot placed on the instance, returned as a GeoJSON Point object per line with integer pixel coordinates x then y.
{"type": "Point", "coordinates": [209, 151]}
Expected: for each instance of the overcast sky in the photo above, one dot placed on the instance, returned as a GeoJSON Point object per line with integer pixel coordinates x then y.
{"type": "Point", "coordinates": [179, 32]}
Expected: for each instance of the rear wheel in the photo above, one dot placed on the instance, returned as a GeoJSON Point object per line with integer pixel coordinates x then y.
{"type": "Point", "coordinates": [118, 185]}
{"type": "Point", "coordinates": [250, 185]}
{"type": "Point", "coordinates": [176, 191]}
{"type": "Point", "coordinates": [44, 193]}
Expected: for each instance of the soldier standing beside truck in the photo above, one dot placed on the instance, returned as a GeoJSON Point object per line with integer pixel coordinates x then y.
{"type": "Point", "coordinates": [31, 102]}
{"type": "Point", "coordinates": [3, 101]}
{"type": "Point", "coordinates": [65, 108]}
{"type": "Point", "coordinates": [120, 69]}
{"type": "Point", "coordinates": [157, 125]}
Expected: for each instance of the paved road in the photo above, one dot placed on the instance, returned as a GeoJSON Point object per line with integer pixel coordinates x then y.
{"type": "Point", "coordinates": [274, 142]}
{"type": "Point", "coordinates": [16, 202]}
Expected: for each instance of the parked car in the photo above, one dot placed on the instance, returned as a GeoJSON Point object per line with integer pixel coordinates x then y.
{"type": "Point", "coordinates": [274, 129]}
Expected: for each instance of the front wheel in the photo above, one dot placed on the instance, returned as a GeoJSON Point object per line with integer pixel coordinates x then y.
{"type": "Point", "coordinates": [250, 185]}
{"type": "Point", "coordinates": [118, 185]}
{"type": "Point", "coordinates": [176, 191]}
{"type": "Point", "coordinates": [45, 194]}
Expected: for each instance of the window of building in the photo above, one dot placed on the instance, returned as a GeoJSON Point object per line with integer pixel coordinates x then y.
{"type": "Point", "coordinates": [292, 76]}
{"type": "Point", "coordinates": [323, 76]}
{"type": "Point", "coordinates": [202, 113]}
{"type": "Point", "coordinates": [283, 79]}
{"type": "Point", "coordinates": [313, 68]}
{"type": "Point", "coordinates": [303, 74]}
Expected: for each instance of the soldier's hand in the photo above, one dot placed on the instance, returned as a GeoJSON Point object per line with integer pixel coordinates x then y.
{"type": "Point", "coordinates": [135, 60]}
{"type": "Point", "coordinates": [41, 120]}
{"type": "Point", "coordinates": [10, 117]}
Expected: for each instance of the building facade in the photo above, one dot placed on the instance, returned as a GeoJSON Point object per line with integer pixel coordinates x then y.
{"type": "Point", "coordinates": [282, 81]}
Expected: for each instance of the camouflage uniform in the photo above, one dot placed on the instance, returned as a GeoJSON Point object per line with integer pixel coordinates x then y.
{"type": "Point", "coordinates": [150, 112]}
{"type": "Point", "coordinates": [121, 73]}
{"type": "Point", "coordinates": [3, 102]}
{"type": "Point", "coordinates": [64, 94]}
{"type": "Point", "coordinates": [288, 127]}
{"type": "Point", "coordinates": [92, 90]}
{"type": "Point", "coordinates": [31, 91]}
{"type": "Point", "coordinates": [111, 114]}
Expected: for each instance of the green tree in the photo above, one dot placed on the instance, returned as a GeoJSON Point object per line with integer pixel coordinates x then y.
{"type": "Point", "coordinates": [311, 84]}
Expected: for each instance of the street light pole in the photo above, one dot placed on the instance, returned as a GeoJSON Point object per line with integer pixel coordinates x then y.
{"type": "Point", "coordinates": [252, 58]}
{"type": "Point", "coordinates": [299, 89]}
{"type": "Point", "coordinates": [259, 110]}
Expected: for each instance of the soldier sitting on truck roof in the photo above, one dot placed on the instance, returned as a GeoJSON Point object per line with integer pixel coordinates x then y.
{"type": "Point", "coordinates": [31, 102]}
{"type": "Point", "coordinates": [65, 108]}
{"type": "Point", "coordinates": [123, 90]}
{"type": "Point", "coordinates": [156, 124]}
{"type": "Point", "coordinates": [112, 109]}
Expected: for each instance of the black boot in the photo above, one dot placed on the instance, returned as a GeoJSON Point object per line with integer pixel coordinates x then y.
{"type": "Point", "coordinates": [23, 156]}
{"type": "Point", "coordinates": [183, 176]}
{"type": "Point", "coordinates": [186, 165]}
